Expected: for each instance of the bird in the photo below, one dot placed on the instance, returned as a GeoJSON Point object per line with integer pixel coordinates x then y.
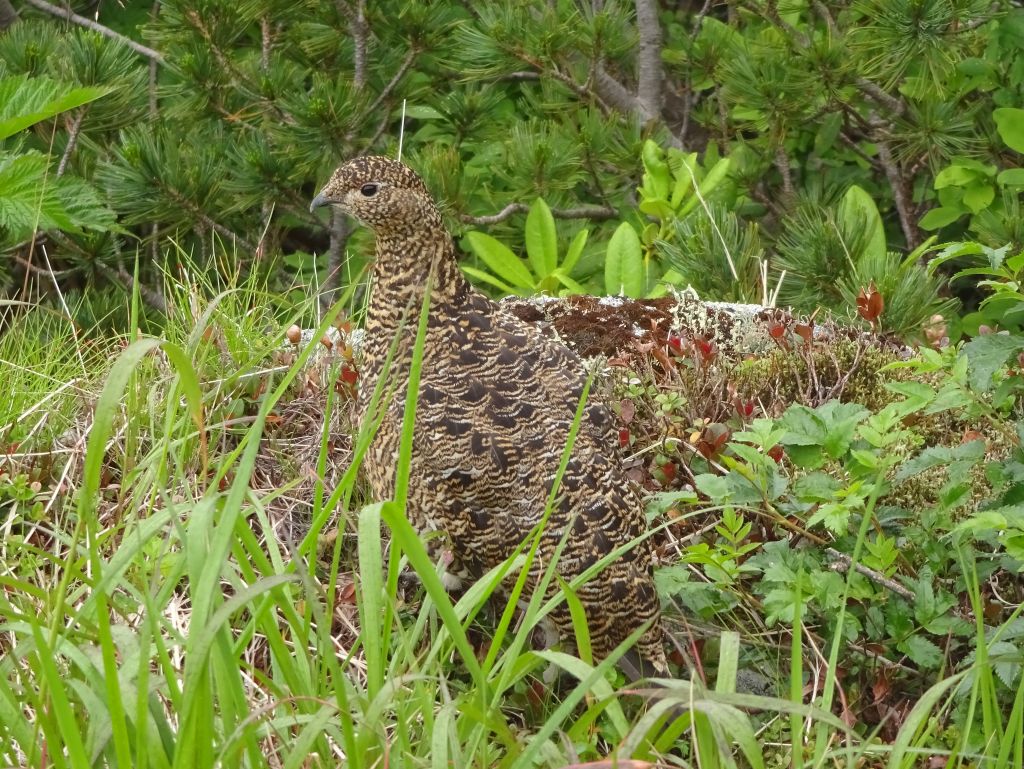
{"type": "Point", "coordinates": [497, 399]}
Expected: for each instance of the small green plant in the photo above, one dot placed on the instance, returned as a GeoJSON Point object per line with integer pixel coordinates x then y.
{"type": "Point", "coordinates": [970, 187]}
{"type": "Point", "coordinates": [543, 270]}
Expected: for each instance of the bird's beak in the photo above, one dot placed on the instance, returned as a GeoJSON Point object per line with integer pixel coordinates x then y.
{"type": "Point", "coordinates": [318, 201]}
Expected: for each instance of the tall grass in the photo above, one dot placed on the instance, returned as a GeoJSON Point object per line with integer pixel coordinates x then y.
{"type": "Point", "coordinates": [147, 619]}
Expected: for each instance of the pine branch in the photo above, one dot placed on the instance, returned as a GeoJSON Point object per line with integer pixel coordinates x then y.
{"type": "Point", "coordinates": [596, 213]}
{"type": "Point", "coordinates": [95, 26]}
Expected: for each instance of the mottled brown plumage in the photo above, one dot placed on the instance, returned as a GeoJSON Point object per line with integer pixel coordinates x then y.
{"type": "Point", "coordinates": [496, 402]}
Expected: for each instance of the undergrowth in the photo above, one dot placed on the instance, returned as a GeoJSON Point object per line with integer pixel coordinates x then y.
{"type": "Point", "coordinates": [192, 575]}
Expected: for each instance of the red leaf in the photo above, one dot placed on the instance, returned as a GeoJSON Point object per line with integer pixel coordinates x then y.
{"type": "Point", "coordinates": [627, 410]}
{"type": "Point", "coordinates": [870, 304]}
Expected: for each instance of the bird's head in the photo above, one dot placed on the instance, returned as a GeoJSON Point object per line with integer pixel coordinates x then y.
{"type": "Point", "coordinates": [383, 194]}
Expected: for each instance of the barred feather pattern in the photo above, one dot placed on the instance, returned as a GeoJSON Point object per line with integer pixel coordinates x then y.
{"type": "Point", "coordinates": [496, 402]}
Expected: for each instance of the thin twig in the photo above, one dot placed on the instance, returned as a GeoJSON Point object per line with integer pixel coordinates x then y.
{"type": "Point", "coordinates": [597, 213]}
{"type": "Point", "coordinates": [41, 270]}
{"type": "Point", "coordinates": [95, 26]}
{"type": "Point", "coordinates": [782, 163]}
{"type": "Point", "coordinates": [151, 297]}
{"type": "Point", "coordinates": [843, 561]}
{"type": "Point", "coordinates": [896, 106]}
{"type": "Point", "coordinates": [76, 127]}
{"type": "Point", "coordinates": [688, 90]}
{"type": "Point", "coordinates": [410, 57]}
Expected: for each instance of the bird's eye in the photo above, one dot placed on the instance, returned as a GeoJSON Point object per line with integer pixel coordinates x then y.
{"type": "Point", "coordinates": [368, 190]}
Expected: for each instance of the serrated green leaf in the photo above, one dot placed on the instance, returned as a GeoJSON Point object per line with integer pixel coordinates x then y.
{"type": "Point", "coordinates": [987, 354]}
{"type": "Point", "coordinates": [25, 101]}
{"type": "Point", "coordinates": [922, 651]}
{"type": "Point", "coordinates": [815, 487]}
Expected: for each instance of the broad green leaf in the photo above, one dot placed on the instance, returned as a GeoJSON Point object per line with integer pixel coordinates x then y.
{"type": "Point", "coordinates": [572, 256]}
{"type": "Point", "coordinates": [501, 261]}
{"type": "Point", "coordinates": [940, 217]}
{"type": "Point", "coordinates": [977, 197]}
{"type": "Point", "coordinates": [569, 283]}
{"type": "Point", "coordinates": [541, 239]}
{"type": "Point", "coordinates": [1011, 177]}
{"type": "Point", "coordinates": [656, 207]}
{"type": "Point", "coordinates": [624, 265]}
{"type": "Point", "coordinates": [713, 178]}
{"type": "Point", "coordinates": [1010, 124]}
{"type": "Point", "coordinates": [956, 175]}
{"type": "Point", "coordinates": [656, 176]}
{"type": "Point", "coordinates": [684, 168]}
{"type": "Point", "coordinates": [858, 209]}
{"type": "Point", "coordinates": [486, 277]}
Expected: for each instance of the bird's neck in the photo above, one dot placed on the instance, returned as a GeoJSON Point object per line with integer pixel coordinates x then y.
{"type": "Point", "coordinates": [403, 265]}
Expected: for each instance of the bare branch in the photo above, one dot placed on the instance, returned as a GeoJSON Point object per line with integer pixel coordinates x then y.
{"type": "Point", "coordinates": [597, 213]}
{"type": "Point", "coordinates": [891, 103]}
{"type": "Point", "coordinates": [522, 75]}
{"type": "Point", "coordinates": [612, 92]}
{"type": "Point", "coordinates": [900, 193]}
{"type": "Point", "coordinates": [782, 164]}
{"type": "Point", "coordinates": [359, 30]}
{"type": "Point", "coordinates": [7, 14]}
{"type": "Point", "coordinates": [266, 42]}
{"type": "Point", "coordinates": [649, 70]}
{"type": "Point", "coordinates": [95, 26]}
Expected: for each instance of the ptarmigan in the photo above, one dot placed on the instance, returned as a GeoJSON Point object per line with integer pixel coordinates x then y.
{"type": "Point", "coordinates": [496, 403]}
